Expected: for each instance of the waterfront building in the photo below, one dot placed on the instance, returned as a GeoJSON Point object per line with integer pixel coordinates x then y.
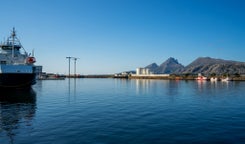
{"type": "Point", "coordinates": [143, 71]}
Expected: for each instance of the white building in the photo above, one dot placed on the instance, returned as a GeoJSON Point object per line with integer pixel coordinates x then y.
{"type": "Point", "coordinates": [143, 71]}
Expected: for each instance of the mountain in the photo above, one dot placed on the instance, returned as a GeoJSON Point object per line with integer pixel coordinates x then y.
{"type": "Point", "coordinates": [152, 67]}
{"type": "Point", "coordinates": [207, 65]}
{"type": "Point", "coordinates": [210, 61]}
{"type": "Point", "coordinates": [171, 65]}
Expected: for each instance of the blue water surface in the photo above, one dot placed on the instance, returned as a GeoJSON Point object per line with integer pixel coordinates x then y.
{"type": "Point", "coordinates": [137, 111]}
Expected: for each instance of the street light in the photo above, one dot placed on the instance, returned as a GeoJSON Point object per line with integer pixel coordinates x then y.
{"type": "Point", "coordinates": [69, 60]}
{"type": "Point", "coordinates": [75, 63]}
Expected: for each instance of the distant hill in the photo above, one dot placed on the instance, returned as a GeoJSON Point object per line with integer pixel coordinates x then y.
{"type": "Point", "coordinates": [205, 65]}
{"type": "Point", "coordinates": [152, 67]}
{"type": "Point", "coordinates": [171, 65]}
{"type": "Point", "coordinates": [211, 61]}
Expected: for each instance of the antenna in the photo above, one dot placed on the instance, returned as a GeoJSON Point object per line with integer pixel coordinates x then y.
{"type": "Point", "coordinates": [13, 37]}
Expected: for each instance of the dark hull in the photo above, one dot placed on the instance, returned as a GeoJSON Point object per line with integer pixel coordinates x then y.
{"type": "Point", "coordinates": [19, 80]}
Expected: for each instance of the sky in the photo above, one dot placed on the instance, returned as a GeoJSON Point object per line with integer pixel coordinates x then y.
{"type": "Point", "coordinates": [112, 36]}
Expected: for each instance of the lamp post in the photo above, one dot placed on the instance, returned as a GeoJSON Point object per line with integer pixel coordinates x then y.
{"type": "Point", "coordinates": [69, 68]}
{"type": "Point", "coordinates": [75, 63]}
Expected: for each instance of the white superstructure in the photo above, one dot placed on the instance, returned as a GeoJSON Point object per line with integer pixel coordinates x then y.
{"type": "Point", "coordinates": [17, 68]}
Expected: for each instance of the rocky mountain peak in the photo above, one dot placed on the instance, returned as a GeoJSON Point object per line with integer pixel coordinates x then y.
{"type": "Point", "coordinates": [209, 65]}
{"type": "Point", "coordinates": [171, 65]}
{"type": "Point", "coordinates": [205, 65]}
{"type": "Point", "coordinates": [170, 61]}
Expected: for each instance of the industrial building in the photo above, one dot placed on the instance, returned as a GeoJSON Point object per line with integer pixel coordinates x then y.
{"type": "Point", "coordinates": [145, 72]}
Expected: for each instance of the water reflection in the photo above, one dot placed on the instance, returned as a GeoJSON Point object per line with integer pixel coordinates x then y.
{"type": "Point", "coordinates": [173, 87]}
{"type": "Point", "coordinates": [166, 87]}
{"type": "Point", "coordinates": [201, 85]}
{"type": "Point", "coordinates": [209, 88]}
{"type": "Point", "coordinates": [72, 86]}
{"type": "Point", "coordinates": [18, 96]}
{"type": "Point", "coordinates": [17, 107]}
{"type": "Point", "coordinates": [142, 86]}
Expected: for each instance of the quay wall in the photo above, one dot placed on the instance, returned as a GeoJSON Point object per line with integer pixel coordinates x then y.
{"type": "Point", "coordinates": [150, 76]}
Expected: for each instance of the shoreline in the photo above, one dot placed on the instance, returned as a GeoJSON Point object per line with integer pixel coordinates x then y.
{"type": "Point", "coordinates": [241, 78]}
{"type": "Point", "coordinates": [158, 77]}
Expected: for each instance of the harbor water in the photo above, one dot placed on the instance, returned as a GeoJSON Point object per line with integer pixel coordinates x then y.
{"type": "Point", "coordinates": [137, 111]}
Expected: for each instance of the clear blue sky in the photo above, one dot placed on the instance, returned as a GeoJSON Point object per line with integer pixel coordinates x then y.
{"type": "Point", "coordinates": [111, 36]}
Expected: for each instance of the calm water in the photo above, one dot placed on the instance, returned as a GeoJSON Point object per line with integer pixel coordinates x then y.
{"type": "Point", "coordinates": [108, 111]}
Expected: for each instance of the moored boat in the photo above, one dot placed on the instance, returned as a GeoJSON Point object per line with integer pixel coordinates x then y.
{"type": "Point", "coordinates": [17, 69]}
{"type": "Point", "coordinates": [225, 79]}
{"type": "Point", "coordinates": [213, 79]}
{"type": "Point", "coordinates": [201, 77]}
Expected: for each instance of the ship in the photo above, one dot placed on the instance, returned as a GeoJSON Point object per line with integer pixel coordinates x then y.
{"type": "Point", "coordinates": [17, 69]}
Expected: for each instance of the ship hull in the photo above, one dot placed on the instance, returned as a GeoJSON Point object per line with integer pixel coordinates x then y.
{"type": "Point", "coordinates": [17, 80]}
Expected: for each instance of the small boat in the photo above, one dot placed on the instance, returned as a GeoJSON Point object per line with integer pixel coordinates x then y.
{"type": "Point", "coordinates": [213, 79]}
{"type": "Point", "coordinates": [201, 78]}
{"type": "Point", "coordinates": [225, 79]}
{"type": "Point", "coordinates": [17, 69]}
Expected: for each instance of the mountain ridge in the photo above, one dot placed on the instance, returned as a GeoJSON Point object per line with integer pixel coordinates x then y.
{"type": "Point", "coordinates": [205, 65]}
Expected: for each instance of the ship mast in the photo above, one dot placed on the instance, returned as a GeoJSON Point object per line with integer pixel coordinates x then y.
{"type": "Point", "coordinates": [13, 37]}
